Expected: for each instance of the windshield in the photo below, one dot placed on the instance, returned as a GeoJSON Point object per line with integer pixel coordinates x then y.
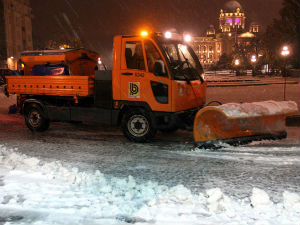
{"type": "Point", "coordinates": [183, 61]}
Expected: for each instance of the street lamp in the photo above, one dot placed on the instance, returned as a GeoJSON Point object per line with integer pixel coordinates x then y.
{"type": "Point", "coordinates": [237, 63]}
{"type": "Point", "coordinates": [253, 61]}
{"type": "Point", "coordinates": [285, 53]}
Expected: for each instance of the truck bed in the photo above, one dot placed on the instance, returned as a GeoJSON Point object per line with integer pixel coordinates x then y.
{"type": "Point", "coordinates": [75, 86]}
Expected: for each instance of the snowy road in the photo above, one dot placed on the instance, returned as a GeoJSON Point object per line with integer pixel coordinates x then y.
{"type": "Point", "coordinates": [166, 160]}
{"type": "Point", "coordinates": [170, 159]}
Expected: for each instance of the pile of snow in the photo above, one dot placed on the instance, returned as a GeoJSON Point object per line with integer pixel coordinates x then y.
{"type": "Point", "coordinates": [259, 108]}
{"type": "Point", "coordinates": [37, 192]}
{"type": "Point", "coordinates": [291, 201]}
{"type": "Point", "coordinates": [260, 198]}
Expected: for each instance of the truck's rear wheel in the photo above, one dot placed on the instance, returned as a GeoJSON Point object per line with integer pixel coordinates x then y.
{"type": "Point", "coordinates": [35, 119]}
{"type": "Point", "coordinates": [137, 125]}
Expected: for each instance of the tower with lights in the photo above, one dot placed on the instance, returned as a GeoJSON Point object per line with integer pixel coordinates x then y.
{"type": "Point", "coordinates": [232, 17]}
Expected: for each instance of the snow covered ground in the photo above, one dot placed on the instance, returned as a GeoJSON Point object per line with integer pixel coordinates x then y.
{"type": "Point", "coordinates": [255, 93]}
{"type": "Point", "coordinates": [33, 191]}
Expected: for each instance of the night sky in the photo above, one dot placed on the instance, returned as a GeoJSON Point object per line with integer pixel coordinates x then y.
{"type": "Point", "coordinates": [96, 21]}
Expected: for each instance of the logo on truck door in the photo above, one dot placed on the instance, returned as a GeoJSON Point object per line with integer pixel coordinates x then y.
{"type": "Point", "coordinates": [134, 90]}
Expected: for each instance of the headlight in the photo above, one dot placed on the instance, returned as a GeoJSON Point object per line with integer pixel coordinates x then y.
{"type": "Point", "coordinates": [187, 38]}
{"type": "Point", "coordinates": [168, 35]}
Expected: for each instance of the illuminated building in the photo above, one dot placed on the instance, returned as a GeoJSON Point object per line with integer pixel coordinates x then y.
{"type": "Point", "coordinates": [254, 27]}
{"type": "Point", "coordinates": [232, 30]}
{"type": "Point", "coordinates": [232, 18]}
{"type": "Point", "coordinates": [208, 49]}
{"type": "Point", "coordinates": [15, 31]}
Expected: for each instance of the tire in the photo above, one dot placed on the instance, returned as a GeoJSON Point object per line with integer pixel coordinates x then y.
{"type": "Point", "coordinates": [35, 118]}
{"type": "Point", "coordinates": [137, 125]}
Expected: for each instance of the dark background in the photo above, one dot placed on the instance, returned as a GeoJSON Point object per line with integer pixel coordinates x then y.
{"type": "Point", "coordinates": [95, 22]}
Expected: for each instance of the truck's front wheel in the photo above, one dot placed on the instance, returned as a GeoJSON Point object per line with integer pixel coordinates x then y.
{"type": "Point", "coordinates": [35, 119]}
{"type": "Point", "coordinates": [137, 125]}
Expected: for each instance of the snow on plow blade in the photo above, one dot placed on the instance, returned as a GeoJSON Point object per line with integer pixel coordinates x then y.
{"type": "Point", "coordinates": [236, 123]}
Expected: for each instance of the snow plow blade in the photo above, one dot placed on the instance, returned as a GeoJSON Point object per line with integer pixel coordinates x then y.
{"type": "Point", "coordinates": [235, 123]}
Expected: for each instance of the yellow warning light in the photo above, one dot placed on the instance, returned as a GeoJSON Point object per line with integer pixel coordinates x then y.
{"type": "Point", "coordinates": [22, 66]}
{"type": "Point", "coordinates": [144, 33]}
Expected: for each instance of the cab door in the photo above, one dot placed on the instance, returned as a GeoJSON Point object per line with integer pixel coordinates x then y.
{"type": "Point", "coordinates": [143, 75]}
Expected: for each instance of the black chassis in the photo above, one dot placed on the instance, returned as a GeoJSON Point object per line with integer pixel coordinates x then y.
{"type": "Point", "coordinates": [57, 109]}
{"type": "Point", "coordinates": [101, 108]}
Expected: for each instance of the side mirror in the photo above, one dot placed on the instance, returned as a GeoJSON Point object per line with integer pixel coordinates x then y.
{"type": "Point", "coordinates": [158, 69]}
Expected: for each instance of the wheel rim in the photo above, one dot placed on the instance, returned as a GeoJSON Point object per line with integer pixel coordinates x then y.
{"type": "Point", "coordinates": [34, 118]}
{"type": "Point", "coordinates": [138, 125]}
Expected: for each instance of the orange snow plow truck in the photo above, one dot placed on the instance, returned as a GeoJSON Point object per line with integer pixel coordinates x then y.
{"type": "Point", "coordinates": [156, 83]}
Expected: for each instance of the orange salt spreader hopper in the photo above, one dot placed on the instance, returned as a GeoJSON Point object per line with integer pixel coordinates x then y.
{"type": "Point", "coordinates": [235, 123]}
{"type": "Point", "coordinates": [72, 74]}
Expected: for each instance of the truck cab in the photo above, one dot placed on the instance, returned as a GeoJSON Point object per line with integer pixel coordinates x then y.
{"type": "Point", "coordinates": [156, 83]}
{"type": "Point", "coordinates": [165, 74]}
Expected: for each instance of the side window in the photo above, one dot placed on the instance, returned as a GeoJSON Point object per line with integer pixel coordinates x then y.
{"type": "Point", "coordinates": [155, 63]}
{"type": "Point", "coordinates": [134, 55]}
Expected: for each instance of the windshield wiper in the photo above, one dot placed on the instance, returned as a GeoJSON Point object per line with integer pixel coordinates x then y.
{"type": "Point", "coordinates": [189, 65]}
{"type": "Point", "coordinates": [185, 59]}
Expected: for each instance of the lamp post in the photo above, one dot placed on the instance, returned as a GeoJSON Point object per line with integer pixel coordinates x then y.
{"type": "Point", "coordinates": [237, 63]}
{"type": "Point", "coordinates": [285, 53]}
{"type": "Point", "coordinates": [253, 62]}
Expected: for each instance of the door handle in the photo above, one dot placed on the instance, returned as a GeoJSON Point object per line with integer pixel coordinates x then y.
{"type": "Point", "coordinates": [127, 74]}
